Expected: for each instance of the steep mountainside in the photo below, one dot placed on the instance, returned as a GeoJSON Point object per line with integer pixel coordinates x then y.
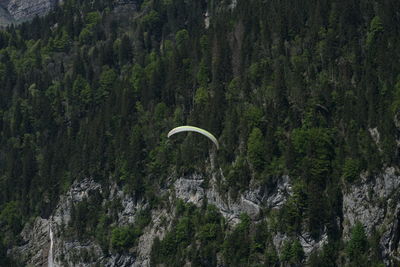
{"type": "Point", "coordinates": [303, 96]}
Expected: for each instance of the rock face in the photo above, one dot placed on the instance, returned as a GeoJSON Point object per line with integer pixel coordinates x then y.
{"type": "Point", "coordinates": [36, 236]}
{"type": "Point", "coordinates": [45, 242]}
{"type": "Point", "coordinates": [374, 202]}
{"type": "Point", "coordinates": [5, 17]}
{"type": "Point", "coordinates": [44, 234]}
{"type": "Point", "coordinates": [47, 245]}
{"type": "Point", "coordinates": [190, 189]}
{"type": "Point", "coordinates": [22, 10]}
{"type": "Point", "coordinates": [15, 11]}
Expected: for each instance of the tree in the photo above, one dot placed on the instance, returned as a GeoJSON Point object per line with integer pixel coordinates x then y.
{"type": "Point", "coordinates": [125, 50]}
{"type": "Point", "coordinates": [107, 81]}
{"type": "Point", "coordinates": [255, 149]}
{"type": "Point", "coordinates": [81, 93]}
{"type": "Point", "coordinates": [357, 246]}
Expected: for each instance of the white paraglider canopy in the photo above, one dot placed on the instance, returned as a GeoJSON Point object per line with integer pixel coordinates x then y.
{"type": "Point", "coordinates": [194, 129]}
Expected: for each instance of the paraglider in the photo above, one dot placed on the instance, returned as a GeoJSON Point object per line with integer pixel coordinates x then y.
{"type": "Point", "coordinates": [194, 129]}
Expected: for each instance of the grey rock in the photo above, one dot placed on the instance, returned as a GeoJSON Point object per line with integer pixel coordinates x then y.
{"type": "Point", "coordinates": [36, 247]}
{"type": "Point", "coordinates": [4, 3]}
{"type": "Point", "coordinates": [190, 190]}
{"type": "Point", "coordinates": [390, 240]}
{"type": "Point", "coordinates": [278, 240]}
{"type": "Point", "coordinates": [279, 196]}
{"type": "Point", "coordinates": [157, 228]}
{"type": "Point", "coordinates": [5, 17]}
{"type": "Point", "coordinates": [374, 203]}
{"type": "Point", "coordinates": [396, 120]}
{"type": "Point", "coordinates": [22, 10]}
{"type": "Point", "coordinates": [375, 135]}
{"type": "Point", "coordinates": [310, 245]}
{"type": "Point", "coordinates": [70, 252]}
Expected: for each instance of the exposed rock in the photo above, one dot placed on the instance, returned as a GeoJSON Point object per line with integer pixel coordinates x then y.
{"type": "Point", "coordinates": [396, 120]}
{"type": "Point", "coordinates": [5, 17]}
{"type": "Point", "coordinates": [190, 190]}
{"type": "Point", "coordinates": [25, 10]}
{"type": "Point", "coordinates": [79, 191]}
{"type": "Point", "coordinates": [120, 260]}
{"type": "Point", "coordinates": [37, 235]}
{"type": "Point", "coordinates": [4, 3]}
{"type": "Point", "coordinates": [310, 245]}
{"type": "Point", "coordinates": [375, 136]}
{"type": "Point", "coordinates": [390, 239]}
{"type": "Point", "coordinates": [36, 247]}
{"type": "Point", "coordinates": [207, 20]}
{"type": "Point", "coordinates": [130, 208]}
{"type": "Point", "coordinates": [76, 253]}
{"type": "Point", "coordinates": [70, 252]}
{"type": "Point", "coordinates": [280, 194]}
{"type": "Point", "coordinates": [155, 229]}
{"type": "Point", "coordinates": [278, 240]}
{"type": "Point", "coordinates": [22, 10]}
{"type": "Point", "coordinates": [233, 4]}
{"type": "Point", "coordinates": [366, 201]}
{"type": "Point", "coordinates": [375, 204]}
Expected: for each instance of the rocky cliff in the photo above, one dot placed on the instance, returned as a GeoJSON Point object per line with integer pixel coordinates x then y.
{"type": "Point", "coordinates": [374, 203]}
{"type": "Point", "coordinates": [15, 11]}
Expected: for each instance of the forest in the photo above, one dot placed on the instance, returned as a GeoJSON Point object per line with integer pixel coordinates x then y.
{"type": "Point", "coordinates": [296, 88]}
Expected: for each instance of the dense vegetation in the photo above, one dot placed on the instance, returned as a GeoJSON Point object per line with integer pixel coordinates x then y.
{"type": "Point", "coordinates": [289, 87]}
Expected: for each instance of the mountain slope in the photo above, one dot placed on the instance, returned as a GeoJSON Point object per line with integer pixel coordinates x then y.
{"type": "Point", "coordinates": [303, 97]}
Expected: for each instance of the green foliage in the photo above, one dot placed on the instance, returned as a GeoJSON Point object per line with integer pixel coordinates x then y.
{"type": "Point", "coordinates": [313, 165]}
{"type": "Point", "coordinates": [375, 28]}
{"type": "Point", "coordinates": [351, 170]}
{"type": "Point", "coordinates": [137, 79]}
{"type": "Point", "coordinates": [192, 225]}
{"type": "Point", "coordinates": [81, 91]}
{"type": "Point", "coordinates": [92, 18]}
{"type": "Point", "coordinates": [292, 252]}
{"type": "Point", "coordinates": [11, 217]}
{"type": "Point", "coordinates": [395, 108]}
{"type": "Point", "coordinates": [85, 217]}
{"type": "Point", "coordinates": [151, 20]}
{"type": "Point", "coordinates": [63, 41]}
{"type": "Point", "coordinates": [238, 176]}
{"type": "Point", "coordinates": [123, 238]}
{"type": "Point", "coordinates": [236, 247]}
{"type": "Point", "coordinates": [181, 38]}
{"type": "Point", "coordinates": [293, 211]}
{"type": "Point", "coordinates": [102, 231]}
{"type": "Point", "coordinates": [253, 116]}
{"type": "Point", "coordinates": [271, 257]}
{"type": "Point", "coordinates": [106, 81]}
{"type": "Point", "coordinates": [255, 149]}
{"type": "Point", "coordinates": [357, 246]}
{"type": "Point", "coordinates": [86, 36]}
{"type": "Point", "coordinates": [201, 98]}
